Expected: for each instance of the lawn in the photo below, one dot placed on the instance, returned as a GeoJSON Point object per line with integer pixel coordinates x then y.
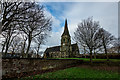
{"type": "Point", "coordinates": [88, 59]}
{"type": "Point", "coordinates": [76, 72]}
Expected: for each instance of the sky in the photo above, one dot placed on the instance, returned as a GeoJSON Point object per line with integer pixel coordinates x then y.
{"type": "Point", "coordinates": [104, 12]}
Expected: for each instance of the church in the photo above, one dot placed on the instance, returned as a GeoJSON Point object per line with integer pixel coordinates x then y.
{"type": "Point", "coordinates": [66, 50]}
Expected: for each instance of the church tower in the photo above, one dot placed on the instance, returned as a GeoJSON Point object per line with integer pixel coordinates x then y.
{"type": "Point", "coordinates": [66, 48]}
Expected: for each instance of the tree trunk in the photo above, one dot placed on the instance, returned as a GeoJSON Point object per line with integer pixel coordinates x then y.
{"type": "Point", "coordinates": [22, 51]}
{"type": "Point", "coordinates": [13, 52]}
{"type": "Point", "coordinates": [91, 56]}
{"type": "Point", "coordinates": [104, 45]}
{"type": "Point", "coordinates": [84, 52]}
{"type": "Point", "coordinates": [84, 55]}
{"type": "Point", "coordinates": [7, 46]}
{"type": "Point", "coordinates": [8, 41]}
{"type": "Point", "coordinates": [106, 52]}
{"type": "Point", "coordinates": [38, 50]}
{"type": "Point", "coordinates": [29, 42]}
{"type": "Point", "coordinates": [107, 57]}
{"type": "Point", "coordinates": [94, 55]}
{"type": "Point", "coordinates": [119, 49]}
{"type": "Point", "coordinates": [3, 48]}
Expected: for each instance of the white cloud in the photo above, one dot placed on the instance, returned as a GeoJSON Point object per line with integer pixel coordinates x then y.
{"type": "Point", "coordinates": [53, 40]}
{"type": "Point", "coordinates": [55, 22]}
{"type": "Point", "coordinates": [54, 36]}
{"type": "Point", "coordinates": [105, 13]}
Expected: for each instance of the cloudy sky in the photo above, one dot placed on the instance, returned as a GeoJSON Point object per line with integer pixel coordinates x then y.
{"type": "Point", "coordinates": [104, 12]}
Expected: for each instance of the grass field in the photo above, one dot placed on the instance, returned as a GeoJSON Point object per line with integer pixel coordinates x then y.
{"type": "Point", "coordinates": [76, 72]}
{"type": "Point", "coordinates": [87, 59]}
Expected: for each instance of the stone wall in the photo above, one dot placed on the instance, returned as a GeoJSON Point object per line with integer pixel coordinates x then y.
{"type": "Point", "coordinates": [17, 66]}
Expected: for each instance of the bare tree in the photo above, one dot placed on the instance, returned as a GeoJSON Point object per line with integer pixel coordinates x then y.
{"type": "Point", "coordinates": [85, 34]}
{"type": "Point", "coordinates": [106, 39]}
{"type": "Point", "coordinates": [83, 49]}
{"type": "Point", "coordinates": [9, 35]}
{"type": "Point", "coordinates": [23, 44]}
{"type": "Point", "coordinates": [15, 46]}
{"type": "Point", "coordinates": [35, 22]}
{"type": "Point", "coordinates": [11, 12]}
{"type": "Point", "coordinates": [97, 43]}
{"type": "Point", "coordinates": [3, 42]}
{"type": "Point", "coordinates": [116, 44]}
{"type": "Point", "coordinates": [27, 17]}
{"type": "Point", "coordinates": [40, 39]}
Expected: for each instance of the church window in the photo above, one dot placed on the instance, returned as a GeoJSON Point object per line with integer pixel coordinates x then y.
{"type": "Point", "coordinates": [63, 40]}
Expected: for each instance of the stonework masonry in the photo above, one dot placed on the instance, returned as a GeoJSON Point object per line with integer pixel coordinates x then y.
{"type": "Point", "coordinates": [12, 67]}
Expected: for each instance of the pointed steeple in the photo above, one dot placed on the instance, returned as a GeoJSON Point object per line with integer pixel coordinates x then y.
{"type": "Point", "coordinates": [66, 32]}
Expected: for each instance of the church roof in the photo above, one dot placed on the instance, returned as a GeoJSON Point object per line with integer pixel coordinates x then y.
{"type": "Point", "coordinates": [57, 48]}
{"type": "Point", "coordinates": [52, 49]}
{"type": "Point", "coordinates": [74, 46]}
{"type": "Point", "coordinates": [66, 32]}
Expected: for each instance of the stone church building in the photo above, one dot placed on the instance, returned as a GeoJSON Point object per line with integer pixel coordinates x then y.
{"type": "Point", "coordinates": [66, 49]}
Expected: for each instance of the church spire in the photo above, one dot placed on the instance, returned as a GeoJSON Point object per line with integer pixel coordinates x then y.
{"type": "Point", "coordinates": [66, 32]}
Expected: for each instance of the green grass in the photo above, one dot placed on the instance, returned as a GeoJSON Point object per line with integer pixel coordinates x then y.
{"type": "Point", "coordinates": [76, 72]}
{"type": "Point", "coordinates": [88, 59]}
